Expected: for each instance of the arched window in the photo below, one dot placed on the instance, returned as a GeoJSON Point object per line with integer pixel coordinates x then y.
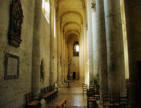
{"type": "Point", "coordinates": [46, 9]}
{"type": "Point", "coordinates": [76, 48]}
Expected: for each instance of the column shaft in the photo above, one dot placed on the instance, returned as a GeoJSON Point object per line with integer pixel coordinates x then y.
{"type": "Point", "coordinates": [115, 50]}
{"type": "Point", "coordinates": [90, 43]}
{"type": "Point", "coordinates": [101, 44]}
{"type": "Point", "coordinates": [36, 50]}
{"type": "Point", "coordinates": [53, 45]}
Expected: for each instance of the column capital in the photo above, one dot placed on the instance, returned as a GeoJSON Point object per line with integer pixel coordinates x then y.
{"type": "Point", "coordinates": [93, 4]}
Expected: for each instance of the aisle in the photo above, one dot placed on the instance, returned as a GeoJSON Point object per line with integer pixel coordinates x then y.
{"type": "Point", "coordinates": [74, 96]}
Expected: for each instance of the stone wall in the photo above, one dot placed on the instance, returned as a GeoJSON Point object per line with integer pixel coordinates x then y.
{"type": "Point", "coordinates": [12, 91]}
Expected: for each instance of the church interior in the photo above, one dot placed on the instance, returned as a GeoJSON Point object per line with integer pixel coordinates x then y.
{"type": "Point", "coordinates": [70, 53]}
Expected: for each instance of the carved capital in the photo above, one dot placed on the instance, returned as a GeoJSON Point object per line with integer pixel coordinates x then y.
{"type": "Point", "coordinates": [93, 5]}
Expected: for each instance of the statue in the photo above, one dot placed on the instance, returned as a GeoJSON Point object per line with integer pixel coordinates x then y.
{"type": "Point", "coordinates": [42, 71]}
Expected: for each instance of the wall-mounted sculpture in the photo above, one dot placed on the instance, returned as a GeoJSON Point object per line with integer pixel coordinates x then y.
{"type": "Point", "coordinates": [15, 24]}
{"type": "Point", "coordinates": [42, 71]}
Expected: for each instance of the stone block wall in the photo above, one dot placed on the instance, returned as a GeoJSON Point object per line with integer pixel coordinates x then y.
{"type": "Point", "coordinates": [12, 91]}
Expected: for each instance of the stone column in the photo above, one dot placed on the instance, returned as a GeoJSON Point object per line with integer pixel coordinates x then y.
{"type": "Point", "coordinates": [101, 46]}
{"type": "Point", "coordinates": [85, 51]}
{"type": "Point", "coordinates": [58, 50]}
{"type": "Point", "coordinates": [81, 56]}
{"type": "Point", "coordinates": [133, 24]}
{"type": "Point", "coordinates": [115, 50]}
{"type": "Point", "coordinates": [90, 42]}
{"type": "Point", "coordinates": [36, 50]}
{"type": "Point", "coordinates": [65, 72]}
{"type": "Point", "coordinates": [61, 60]}
{"type": "Point", "coordinates": [53, 45]}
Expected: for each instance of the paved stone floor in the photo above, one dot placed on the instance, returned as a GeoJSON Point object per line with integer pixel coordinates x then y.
{"type": "Point", "coordinates": [73, 94]}
{"type": "Point", "coordinates": [74, 97]}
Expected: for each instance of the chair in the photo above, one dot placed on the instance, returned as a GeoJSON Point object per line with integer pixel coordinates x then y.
{"type": "Point", "coordinates": [91, 97]}
{"type": "Point", "coordinates": [91, 87]}
{"type": "Point", "coordinates": [62, 104]}
{"type": "Point", "coordinates": [46, 89]}
{"type": "Point", "coordinates": [84, 87]}
{"type": "Point", "coordinates": [30, 102]}
{"type": "Point", "coordinates": [115, 102]}
{"type": "Point", "coordinates": [107, 101]}
{"type": "Point", "coordinates": [124, 102]}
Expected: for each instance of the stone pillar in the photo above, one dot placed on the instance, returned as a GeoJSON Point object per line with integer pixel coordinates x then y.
{"type": "Point", "coordinates": [36, 50]}
{"type": "Point", "coordinates": [58, 50]}
{"type": "Point", "coordinates": [81, 56]}
{"type": "Point", "coordinates": [61, 59]}
{"type": "Point", "coordinates": [65, 67]}
{"type": "Point", "coordinates": [133, 24]}
{"type": "Point", "coordinates": [115, 50]}
{"type": "Point", "coordinates": [85, 51]}
{"type": "Point", "coordinates": [53, 44]}
{"type": "Point", "coordinates": [101, 46]}
{"type": "Point", "coordinates": [90, 42]}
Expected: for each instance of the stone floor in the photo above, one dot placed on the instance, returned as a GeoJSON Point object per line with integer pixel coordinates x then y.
{"type": "Point", "coordinates": [73, 94]}
{"type": "Point", "coordinates": [74, 97]}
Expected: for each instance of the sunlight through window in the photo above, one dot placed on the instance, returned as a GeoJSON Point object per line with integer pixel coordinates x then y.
{"type": "Point", "coordinates": [46, 9]}
{"type": "Point", "coordinates": [77, 48]}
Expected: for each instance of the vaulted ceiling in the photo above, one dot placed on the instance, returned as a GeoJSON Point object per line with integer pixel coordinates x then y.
{"type": "Point", "coordinates": [71, 14]}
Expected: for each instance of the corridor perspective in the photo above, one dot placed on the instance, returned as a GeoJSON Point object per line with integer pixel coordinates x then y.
{"type": "Point", "coordinates": [70, 53]}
